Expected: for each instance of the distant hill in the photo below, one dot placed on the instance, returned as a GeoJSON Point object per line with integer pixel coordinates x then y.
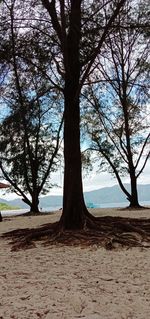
{"type": "Point", "coordinates": [106, 195]}
{"type": "Point", "coordinates": [45, 201]}
{"type": "Point", "coordinates": [114, 194]}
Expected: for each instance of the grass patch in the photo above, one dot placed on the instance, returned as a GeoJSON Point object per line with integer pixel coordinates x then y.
{"type": "Point", "coordinates": [4, 206]}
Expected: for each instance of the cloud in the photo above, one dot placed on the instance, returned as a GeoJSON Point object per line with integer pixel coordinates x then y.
{"type": "Point", "coordinates": [91, 182]}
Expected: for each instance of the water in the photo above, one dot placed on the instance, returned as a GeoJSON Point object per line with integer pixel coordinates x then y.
{"type": "Point", "coordinates": [115, 205]}
{"type": "Point", "coordinates": [14, 212]}
{"type": "Point", "coordinates": [56, 208]}
{"type": "Point", "coordinates": [23, 211]}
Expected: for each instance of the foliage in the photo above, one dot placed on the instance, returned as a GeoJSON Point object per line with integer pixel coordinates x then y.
{"type": "Point", "coordinates": [117, 104]}
{"type": "Point", "coordinates": [31, 125]}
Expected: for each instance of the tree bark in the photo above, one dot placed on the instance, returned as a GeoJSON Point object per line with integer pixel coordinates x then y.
{"type": "Point", "coordinates": [74, 209]}
{"type": "Point", "coordinates": [34, 202]}
{"type": "Point", "coordinates": [74, 213]}
{"type": "Point", "coordinates": [133, 199]}
{"type": "Point", "coordinates": [73, 201]}
{"type": "Point", "coordinates": [134, 193]}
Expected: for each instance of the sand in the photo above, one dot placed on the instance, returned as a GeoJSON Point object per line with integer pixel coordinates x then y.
{"type": "Point", "coordinates": [72, 282]}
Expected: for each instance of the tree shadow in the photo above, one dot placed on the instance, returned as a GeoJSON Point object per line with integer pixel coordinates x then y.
{"type": "Point", "coordinates": [109, 232]}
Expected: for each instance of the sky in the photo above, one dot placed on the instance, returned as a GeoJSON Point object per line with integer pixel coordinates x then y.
{"type": "Point", "coordinates": [97, 180]}
{"type": "Point", "coordinates": [91, 182]}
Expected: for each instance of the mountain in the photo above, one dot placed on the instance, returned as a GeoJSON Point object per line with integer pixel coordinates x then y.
{"type": "Point", "coordinates": [45, 201]}
{"type": "Point", "coordinates": [114, 194]}
{"type": "Point", "coordinates": [105, 195]}
{"type": "Point", "coordinates": [100, 196]}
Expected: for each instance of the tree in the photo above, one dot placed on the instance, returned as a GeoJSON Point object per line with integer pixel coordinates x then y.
{"type": "Point", "coordinates": [78, 30]}
{"type": "Point", "coordinates": [118, 127]}
{"type": "Point", "coordinates": [69, 22]}
{"type": "Point", "coordinates": [30, 132]}
{"type": "Point", "coordinates": [27, 160]}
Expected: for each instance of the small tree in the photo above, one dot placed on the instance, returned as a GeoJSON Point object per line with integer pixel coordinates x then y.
{"type": "Point", "coordinates": [28, 159]}
{"type": "Point", "coordinates": [30, 132]}
{"type": "Point", "coordinates": [118, 126]}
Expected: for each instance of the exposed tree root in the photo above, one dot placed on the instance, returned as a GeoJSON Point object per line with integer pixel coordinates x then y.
{"type": "Point", "coordinates": [109, 232]}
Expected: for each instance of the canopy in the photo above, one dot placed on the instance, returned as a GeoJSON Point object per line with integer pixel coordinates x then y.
{"type": "Point", "coordinates": [2, 185]}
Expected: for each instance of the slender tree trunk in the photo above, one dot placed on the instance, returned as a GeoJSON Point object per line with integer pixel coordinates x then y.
{"type": "Point", "coordinates": [133, 180]}
{"type": "Point", "coordinates": [0, 217]}
{"type": "Point", "coordinates": [34, 203]}
{"type": "Point", "coordinates": [134, 193]}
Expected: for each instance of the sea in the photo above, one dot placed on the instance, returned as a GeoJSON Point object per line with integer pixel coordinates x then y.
{"type": "Point", "coordinates": [52, 209]}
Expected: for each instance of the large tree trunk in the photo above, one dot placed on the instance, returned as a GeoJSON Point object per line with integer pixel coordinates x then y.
{"type": "Point", "coordinates": [74, 209]}
{"type": "Point", "coordinates": [73, 201]}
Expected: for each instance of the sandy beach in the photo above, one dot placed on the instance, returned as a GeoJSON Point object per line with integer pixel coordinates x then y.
{"type": "Point", "coordinates": [73, 282]}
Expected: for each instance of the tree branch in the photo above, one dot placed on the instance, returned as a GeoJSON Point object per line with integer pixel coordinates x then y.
{"type": "Point", "coordinates": [114, 170]}
{"type": "Point", "coordinates": [141, 170]}
{"type": "Point", "coordinates": [142, 150]}
{"type": "Point", "coordinates": [103, 37]}
{"type": "Point", "coordinates": [51, 9]}
{"type": "Point", "coordinates": [53, 156]}
{"type": "Point", "coordinates": [16, 188]}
